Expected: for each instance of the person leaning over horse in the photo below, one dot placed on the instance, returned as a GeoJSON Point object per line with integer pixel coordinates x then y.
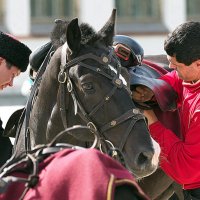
{"type": "Point", "coordinates": [14, 59]}
{"type": "Point", "coordinates": [181, 156]}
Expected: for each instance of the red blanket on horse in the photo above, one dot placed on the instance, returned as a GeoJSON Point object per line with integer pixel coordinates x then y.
{"type": "Point", "coordinates": [74, 175]}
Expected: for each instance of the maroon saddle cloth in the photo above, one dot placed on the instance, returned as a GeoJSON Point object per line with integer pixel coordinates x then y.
{"type": "Point", "coordinates": [73, 175]}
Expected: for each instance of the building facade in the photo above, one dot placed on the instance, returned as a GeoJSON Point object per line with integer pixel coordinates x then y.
{"type": "Point", "coordinates": [147, 20]}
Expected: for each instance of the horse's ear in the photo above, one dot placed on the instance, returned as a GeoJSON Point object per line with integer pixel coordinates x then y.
{"type": "Point", "coordinates": [108, 30]}
{"type": "Point", "coordinates": [73, 35]}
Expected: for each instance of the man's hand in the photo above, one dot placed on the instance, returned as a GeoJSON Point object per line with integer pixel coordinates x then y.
{"type": "Point", "coordinates": [151, 117]}
{"type": "Point", "coordinates": [142, 94]}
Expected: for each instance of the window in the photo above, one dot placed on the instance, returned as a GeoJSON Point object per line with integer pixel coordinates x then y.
{"type": "Point", "coordinates": [193, 8]}
{"type": "Point", "coordinates": [46, 10]}
{"type": "Point", "coordinates": [1, 11]}
{"type": "Point", "coordinates": [139, 15]}
{"type": "Point", "coordinates": [43, 13]}
{"type": "Point", "coordinates": [140, 11]}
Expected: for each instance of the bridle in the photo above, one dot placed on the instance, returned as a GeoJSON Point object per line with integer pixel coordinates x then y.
{"type": "Point", "coordinates": [66, 84]}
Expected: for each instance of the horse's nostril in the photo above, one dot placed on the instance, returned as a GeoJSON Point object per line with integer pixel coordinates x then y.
{"type": "Point", "coordinates": [145, 157]}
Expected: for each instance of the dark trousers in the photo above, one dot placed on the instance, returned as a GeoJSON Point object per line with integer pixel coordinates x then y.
{"type": "Point", "coordinates": [5, 149]}
{"type": "Point", "coordinates": [192, 194]}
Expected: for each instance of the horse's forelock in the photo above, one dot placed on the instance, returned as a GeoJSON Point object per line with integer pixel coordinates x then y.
{"type": "Point", "coordinates": [88, 34]}
{"type": "Point", "coordinates": [58, 34]}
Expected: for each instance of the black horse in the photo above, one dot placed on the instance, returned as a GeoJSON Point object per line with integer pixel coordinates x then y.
{"type": "Point", "coordinates": [84, 83]}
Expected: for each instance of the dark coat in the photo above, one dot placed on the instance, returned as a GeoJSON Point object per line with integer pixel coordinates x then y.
{"type": "Point", "coordinates": [5, 147]}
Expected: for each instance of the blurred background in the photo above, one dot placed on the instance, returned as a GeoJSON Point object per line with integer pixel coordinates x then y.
{"type": "Point", "coordinates": [31, 21]}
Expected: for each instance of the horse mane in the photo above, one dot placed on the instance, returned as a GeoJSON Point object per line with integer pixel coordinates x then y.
{"type": "Point", "coordinates": [58, 34]}
{"type": "Point", "coordinates": [88, 34]}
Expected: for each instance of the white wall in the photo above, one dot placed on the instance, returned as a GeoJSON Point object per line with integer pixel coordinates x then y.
{"type": "Point", "coordinates": [17, 17]}
{"type": "Point", "coordinates": [95, 12]}
{"type": "Point", "coordinates": [173, 13]}
{"type": "Point", "coordinates": [18, 20]}
{"type": "Point", "coordinates": [152, 45]}
{"type": "Point", "coordinates": [18, 14]}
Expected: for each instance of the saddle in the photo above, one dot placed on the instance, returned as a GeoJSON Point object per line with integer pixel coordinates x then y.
{"type": "Point", "coordinates": [37, 57]}
{"type": "Point", "coordinates": [148, 75]}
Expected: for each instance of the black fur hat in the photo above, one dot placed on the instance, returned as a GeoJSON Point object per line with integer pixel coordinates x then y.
{"type": "Point", "coordinates": [14, 51]}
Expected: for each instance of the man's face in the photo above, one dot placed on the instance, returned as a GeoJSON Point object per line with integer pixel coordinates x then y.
{"type": "Point", "coordinates": [188, 73]}
{"type": "Point", "coordinates": [7, 75]}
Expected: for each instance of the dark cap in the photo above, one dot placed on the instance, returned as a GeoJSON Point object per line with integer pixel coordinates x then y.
{"type": "Point", "coordinates": [14, 51]}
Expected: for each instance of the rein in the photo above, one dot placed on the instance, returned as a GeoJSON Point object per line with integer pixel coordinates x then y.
{"type": "Point", "coordinates": [133, 114]}
{"type": "Point", "coordinates": [32, 96]}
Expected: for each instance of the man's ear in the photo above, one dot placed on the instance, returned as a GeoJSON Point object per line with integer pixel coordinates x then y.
{"type": "Point", "coordinates": [198, 63]}
{"type": "Point", "coordinates": [1, 59]}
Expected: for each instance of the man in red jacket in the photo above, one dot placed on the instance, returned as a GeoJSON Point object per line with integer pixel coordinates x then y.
{"type": "Point", "coordinates": [181, 156]}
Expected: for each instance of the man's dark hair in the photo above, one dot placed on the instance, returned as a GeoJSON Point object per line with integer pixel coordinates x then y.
{"type": "Point", "coordinates": [184, 43]}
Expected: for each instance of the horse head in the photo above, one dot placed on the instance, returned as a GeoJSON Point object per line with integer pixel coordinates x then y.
{"type": "Point", "coordinates": [84, 83]}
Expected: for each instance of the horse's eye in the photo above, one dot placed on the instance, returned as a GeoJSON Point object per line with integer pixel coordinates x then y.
{"type": "Point", "coordinates": [87, 86]}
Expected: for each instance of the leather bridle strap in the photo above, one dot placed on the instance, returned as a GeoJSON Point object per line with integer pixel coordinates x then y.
{"type": "Point", "coordinates": [86, 118]}
{"type": "Point", "coordinates": [135, 118]}
{"type": "Point", "coordinates": [98, 70]}
{"type": "Point", "coordinates": [63, 107]}
{"type": "Point", "coordinates": [102, 60]}
{"type": "Point", "coordinates": [129, 114]}
{"type": "Point", "coordinates": [32, 94]}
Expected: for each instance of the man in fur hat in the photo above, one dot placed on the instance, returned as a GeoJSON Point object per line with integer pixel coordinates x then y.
{"type": "Point", "coordinates": [14, 59]}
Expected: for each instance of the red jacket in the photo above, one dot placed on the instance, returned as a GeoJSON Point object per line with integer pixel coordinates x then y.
{"type": "Point", "coordinates": [180, 158]}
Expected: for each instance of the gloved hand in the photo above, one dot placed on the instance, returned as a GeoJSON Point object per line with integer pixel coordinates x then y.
{"type": "Point", "coordinates": [151, 117]}
{"type": "Point", "coordinates": [142, 94]}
